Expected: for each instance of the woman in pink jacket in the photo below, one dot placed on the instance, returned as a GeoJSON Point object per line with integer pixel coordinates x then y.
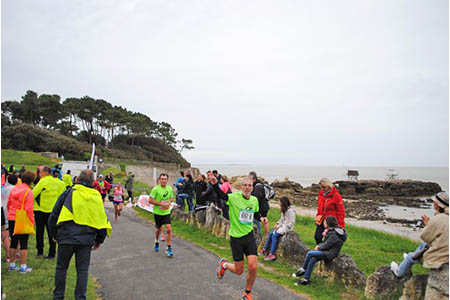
{"type": "Point", "coordinates": [118, 200]}
{"type": "Point", "coordinates": [19, 193]}
{"type": "Point", "coordinates": [225, 186]}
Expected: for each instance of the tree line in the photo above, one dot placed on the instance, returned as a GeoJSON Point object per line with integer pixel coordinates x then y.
{"type": "Point", "coordinates": [90, 120]}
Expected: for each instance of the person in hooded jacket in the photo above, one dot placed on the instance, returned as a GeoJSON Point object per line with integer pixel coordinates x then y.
{"type": "Point", "coordinates": [335, 237]}
{"type": "Point", "coordinates": [329, 204]}
{"type": "Point", "coordinates": [200, 186]}
{"type": "Point", "coordinates": [260, 194]}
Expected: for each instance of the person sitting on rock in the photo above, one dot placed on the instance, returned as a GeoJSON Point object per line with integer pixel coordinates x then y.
{"type": "Point", "coordinates": [284, 225]}
{"type": "Point", "coordinates": [434, 248]}
{"type": "Point", "coordinates": [328, 250]}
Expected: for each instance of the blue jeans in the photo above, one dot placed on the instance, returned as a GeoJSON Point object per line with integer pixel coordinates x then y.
{"type": "Point", "coordinates": [180, 201]}
{"type": "Point", "coordinates": [312, 257]}
{"type": "Point", "coordinates": [272, 242]}
{"type": "Point", "coordinates": [406, 265]}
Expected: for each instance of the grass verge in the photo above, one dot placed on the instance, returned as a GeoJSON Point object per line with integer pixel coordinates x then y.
{"type": "Point", "coordinates": [30, 159]}
{"type": "Point", "coordinates": [369, 248]}
{"type": "Point", "coordinates": [39, 284]}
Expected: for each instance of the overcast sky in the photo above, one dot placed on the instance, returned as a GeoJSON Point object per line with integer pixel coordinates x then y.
{"type": "Point", "coordinates": [361, 83]}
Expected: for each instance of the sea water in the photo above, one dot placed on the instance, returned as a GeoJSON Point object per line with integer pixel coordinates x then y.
{"type": "Point", "coordinates": [306, 175]}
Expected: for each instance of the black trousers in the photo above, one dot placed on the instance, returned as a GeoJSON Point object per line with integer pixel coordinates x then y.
{"type": "Point", "coordinates": [318, 235]}
{"type": "Point", "coordinates": [82, 261]}
{"type": "Point", "coordinates": [41, 220]}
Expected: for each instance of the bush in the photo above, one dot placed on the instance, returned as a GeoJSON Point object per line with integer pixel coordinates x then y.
{"type": "Point", "coordinates": [123, 167]}
{"type": "Point", "coordinates": [20, 136]}
{"type": "Point", "coordinates": [87, 156]}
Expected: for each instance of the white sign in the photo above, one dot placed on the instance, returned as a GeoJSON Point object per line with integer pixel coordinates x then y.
{"type": "Point", "coordinates": [144, 203]}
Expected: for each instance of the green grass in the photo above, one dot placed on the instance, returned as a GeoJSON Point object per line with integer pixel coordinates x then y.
{"type": "Point", "coordinates": [30, 159]}
{"type": "Point", "coordinates": [369, 249]}
{"type": "Point", "coordinates": [39, 284]}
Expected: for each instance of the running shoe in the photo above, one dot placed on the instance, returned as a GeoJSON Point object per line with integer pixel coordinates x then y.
{"type": "Point", "coordinates": [221, 270]}
{"type": "Point", "coordinates": [246, 296]}
{"type": "Point", "coordinates": [394, 268]}
{"type": "Point", "coordinates": [302, 282]}
{"type": "Point", "coordinates": [169, 252]}
{"type": "Point", "coordinates": [156, 247]}
{"type": "Point", "coordinates": [13, 267]}
{"type": "Point", "coordinates": [25, 270]}
{"type": "Point", "coordinates": [299, 273]}
{"type": "Point", "coordinates": [270, 257]}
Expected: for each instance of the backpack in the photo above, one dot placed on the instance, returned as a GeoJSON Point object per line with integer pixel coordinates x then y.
{"type": "Point", "coordinates": [269, 192]}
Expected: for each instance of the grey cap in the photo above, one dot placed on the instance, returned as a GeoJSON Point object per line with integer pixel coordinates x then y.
{"type": "Point", "coordinates": [441, 199]}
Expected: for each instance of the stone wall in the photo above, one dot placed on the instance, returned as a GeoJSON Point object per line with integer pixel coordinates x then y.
{"type": "Point", "coordinates": [145, 172]}
{"type": "Point", "coordinates": [342, 270]}
{"type": "Point", "coordinates": [382, 284]}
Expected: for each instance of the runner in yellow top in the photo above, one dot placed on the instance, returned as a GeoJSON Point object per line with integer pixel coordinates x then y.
{"type": "Point", "coordinates": [67, 178]}
{"type": "Point", "coordinates": [242, 207]}
{"type": "Point", "coordinates": [161, 197]}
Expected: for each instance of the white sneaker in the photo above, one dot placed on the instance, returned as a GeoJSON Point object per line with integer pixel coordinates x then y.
{"type": "Point", "coordinates": [394, 268]}
{"type": "Point", "coordinates": [299, 273]}
{"type": "Point", "coordinates": [405, 255]}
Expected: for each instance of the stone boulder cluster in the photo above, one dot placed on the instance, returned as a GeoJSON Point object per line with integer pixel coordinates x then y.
{"type": "Point", "coordinates": [383, 188]}
{"type": "Point", "coordinates": [362, 199]}
{"type": "Point", "coordinates": [382, 284]}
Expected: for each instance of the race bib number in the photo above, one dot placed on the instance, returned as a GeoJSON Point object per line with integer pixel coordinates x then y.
{"type": "Point", "coordinates": [246, 217]}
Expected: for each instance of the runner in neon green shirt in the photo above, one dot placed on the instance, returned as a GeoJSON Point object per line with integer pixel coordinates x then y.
{"type": "Point", "coordinates": [242, 207]}
{"type": "Point", "coordinates": [161, 197]}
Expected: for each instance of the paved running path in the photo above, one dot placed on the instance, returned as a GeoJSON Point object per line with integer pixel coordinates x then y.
{"type": "Point", "coordinates": [128, 268]}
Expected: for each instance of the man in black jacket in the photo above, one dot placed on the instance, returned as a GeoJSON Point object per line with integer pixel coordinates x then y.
{"type": "Point", "coordinates": [81, 204]}
{"type": "Point", "coordinates": [258, 192]}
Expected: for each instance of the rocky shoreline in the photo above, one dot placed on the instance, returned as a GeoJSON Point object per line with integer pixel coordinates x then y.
{"type": "Point", "coordinates": [364, 199]}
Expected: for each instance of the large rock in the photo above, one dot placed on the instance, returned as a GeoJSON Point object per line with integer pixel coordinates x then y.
{"type": "Point", "coordinates": [437, 287]}
{"type": "Point", "coordinates": [209, 218]}
{"type": "Point", "coordinates": [342, 270]}
{"type": "Point", "coordinates": [383, 284]}
{"type": "Point", "coordinates": [381, 188]}
{"type": "Point", "coordinates": [190, 218]}
{"type": "Point", "coordinates": [220, 227]}
{"type": "Point", "coordinates": [258, 236]}
{"type": "Point", "coordinates": [414, 288]}
{"type": "Point", "coordinates": [292, 248]}
{"type": "Point", "coordinates": [287, 184]}
{"type": "Point", "coordinates": [200, 217]}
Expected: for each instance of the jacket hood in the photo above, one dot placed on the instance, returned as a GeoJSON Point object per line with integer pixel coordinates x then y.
{"type": "Point", "coordinates": [342, 234]}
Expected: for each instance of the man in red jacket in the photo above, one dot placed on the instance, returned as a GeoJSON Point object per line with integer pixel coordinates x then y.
{"type": "Point", "coordinates": [102, 186]}
{"type": "Point", "coordinates": [329, 204]}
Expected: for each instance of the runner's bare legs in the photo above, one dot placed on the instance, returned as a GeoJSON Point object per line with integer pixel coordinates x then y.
{"type": "Point", "coordinates": [238, 268]}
